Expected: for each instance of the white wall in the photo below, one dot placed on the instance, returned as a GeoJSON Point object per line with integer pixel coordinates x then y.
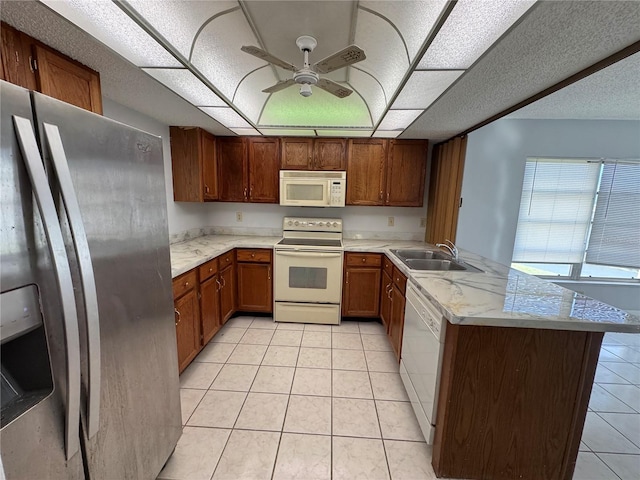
{"type": "Point", "coordinates": [494, 170]}
{"type": "Point", "coordinates": [183, 216]}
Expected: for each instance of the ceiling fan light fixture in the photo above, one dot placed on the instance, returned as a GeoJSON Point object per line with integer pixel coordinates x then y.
{"type": "Point", "coordinates": [305, 90]}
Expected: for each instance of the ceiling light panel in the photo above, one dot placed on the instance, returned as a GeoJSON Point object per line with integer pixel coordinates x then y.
{"type": "Point", "coordinates": [370, 90]}
{"type": "Point", "coordinates": [344, 133]}
{"type": "Point", "coordinates": [386, 55]}
{"type": "Point", "coordinates": [288, 108]}
{"type": "Point", "coordinates": [245, 132]}
{"type": "Point", "coordinates": [226, 116]}
{"type": "Point", "coordinates": [217, 53]}
{"type": "Point", "coordinates": [387, 133]}
{"type": "Point", "coordinates": [424, 87]}
{"type": "Point", "coordinates": [179, 21]}
{"type": "Point", "coordinates": [249, 96]}
{"type": "Point", "coordinates": [287, 133]}
{"type": "Point", "coordinates": [471, 28]}
{"type": "Point", "coordinates": [398, 119]}
{"type": "Point", "coordinates": [185, 84]}
{"type": "Point", "coordinates": [106, 22]}
{"type": "Point", "coordinates": [414, 19]}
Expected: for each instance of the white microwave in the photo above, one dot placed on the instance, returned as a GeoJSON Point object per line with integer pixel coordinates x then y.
{"type": "Point", "coordinates": [313, 188]}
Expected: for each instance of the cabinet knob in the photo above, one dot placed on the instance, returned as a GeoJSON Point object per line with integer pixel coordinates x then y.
{"type": "Point", "coordinates": [227, 259]}
{"type": "Point", "coordinates": [253, 255]}
{"type": "Point", "coordinates": [364, 260]}
{"type": "Point", "coordinates": [210, 269]}
{"type": "Point", "coordinates": [186, 284]}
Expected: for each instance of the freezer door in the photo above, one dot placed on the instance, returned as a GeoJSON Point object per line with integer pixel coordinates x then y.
{"type": "Point", "coordinates": [33, 353]}
{"type": "Point", "coordinates": [117, 174]}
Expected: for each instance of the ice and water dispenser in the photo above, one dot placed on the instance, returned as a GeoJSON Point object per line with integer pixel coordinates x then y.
{"type": "Point", "coordinates": [26, 370]}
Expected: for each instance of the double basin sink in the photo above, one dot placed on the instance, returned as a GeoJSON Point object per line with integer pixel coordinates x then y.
{"type": "Point", "coordinates": [432, 260]}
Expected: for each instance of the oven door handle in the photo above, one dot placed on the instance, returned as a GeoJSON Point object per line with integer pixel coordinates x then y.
{"type": "Point", "coordinates": [309, 254]}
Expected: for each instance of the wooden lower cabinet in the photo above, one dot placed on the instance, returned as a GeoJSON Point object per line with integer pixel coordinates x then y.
{"type": "Point", "coordinates": [187, 319]}
{"type": "Point", "coordinates": [255, 280]}
{"type": "Point", "coordinates": [385, 300]}
{"type": "Point", "coordinates": [396, 321]}
{"type": "Point", "coordinates": [210, 308]}
{"type": "Point", "coordinates": [361, 292]}
{"type": "Point", "coordinates": [227, 293]}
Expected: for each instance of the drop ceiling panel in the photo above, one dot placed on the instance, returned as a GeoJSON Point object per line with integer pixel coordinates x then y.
{"type": "Point", "coordinates": [424, 87]}
{"type": "Point", "coordinates": [414, 19]}
{"type": "Point", "coordinates": [398, 119]}
{"type": "Point", "coordinates": [179, 21]}
{"type": "Point", "coordinates": [344, 133]}
{"type": "Point", "coordinates": [226, 116]}
{"type": "Point", "coordinates": [185, 84]}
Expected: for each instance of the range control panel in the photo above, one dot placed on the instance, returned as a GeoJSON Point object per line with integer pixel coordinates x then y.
{"type": "Point", "coordinates": [305, 224]}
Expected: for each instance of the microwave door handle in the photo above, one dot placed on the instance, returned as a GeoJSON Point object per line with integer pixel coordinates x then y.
{"type": "Point", "coordinates": [87, 276]}
{"type": "Point", "coordinates": [55, 242]}
{"type": "Point", "coordinates": [298, 253]}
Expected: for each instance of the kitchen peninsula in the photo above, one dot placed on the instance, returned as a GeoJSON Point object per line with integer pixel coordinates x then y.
{"type": "Point", "coordinates": [518, 363]}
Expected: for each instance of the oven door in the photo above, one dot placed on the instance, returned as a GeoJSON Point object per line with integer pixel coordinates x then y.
{"type": "Point", "coordinates": [304, 192]}
{"type": "Point", "coordinates": [308, 276]}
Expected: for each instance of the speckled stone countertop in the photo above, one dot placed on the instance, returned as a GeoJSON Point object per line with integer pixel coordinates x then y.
{"type": "Point", "coordinates": [497, 296]}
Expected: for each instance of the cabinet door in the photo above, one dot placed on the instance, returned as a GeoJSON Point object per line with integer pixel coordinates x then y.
{"type": "Point", "coordinates": [406, 170]}
{"type": "Point", "coordinates": [366, 165]}
{"type": "Point", "coordinates": [209, 166]}
{"type": "Point", "coordinates": [264, 169]}
{"type": "Point", "coordinates": [227, 293]}
{"type": "Point", "coordinates": [210, 308]}
{"type": "Point", "coordinates": [232, 169]}
{"type": "Point", "coordinates": [185, 164]}
{"type": "Point", "coordinates": [296, 153]}
{"type": "Point", "coordinates": [385, 300]}
{"type": "Point", "coordinates": [361, 296]}
{"type": "Point", "coordinates": [255, 287]}
{"type": "Point", "coordinates": [187, 317]}
{"type": "Point", "coordinates": [329, 154]}
{"type": "Point", "coordinates": [397, 320]}
{"type": "Point", "coordinates": [67, 80]}
{"type": "Point", "coordinates": [16, 56]}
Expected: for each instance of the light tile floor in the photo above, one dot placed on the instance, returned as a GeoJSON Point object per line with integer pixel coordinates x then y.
{"type": "Point", "coordinates": [293, 401]}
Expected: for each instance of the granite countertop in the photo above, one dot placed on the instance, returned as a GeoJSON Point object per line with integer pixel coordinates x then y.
{"type": "Point", "coordinates": [497, 296]}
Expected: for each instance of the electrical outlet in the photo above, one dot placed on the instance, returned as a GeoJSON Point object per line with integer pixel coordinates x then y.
{"type": "Point", "coordinates": [238, 216]}
{"type": "Point", "coordinates": [391, 222]}
{"type": "Point", "coordinates": [423, 222]}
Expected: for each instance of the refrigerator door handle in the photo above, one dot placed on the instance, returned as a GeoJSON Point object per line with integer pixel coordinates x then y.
{"type": "Point", "coordinates": [44, 199]}
{"type": "Point", "coordinates": [87, 276]}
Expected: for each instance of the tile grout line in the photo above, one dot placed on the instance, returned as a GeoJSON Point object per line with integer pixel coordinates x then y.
{"type": "Point", "coordinates": [607, 465]}
{"type": "Point", "coordinates": [623, 435]}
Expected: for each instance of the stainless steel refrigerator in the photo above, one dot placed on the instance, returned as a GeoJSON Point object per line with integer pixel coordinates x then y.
{"type": "Point", "coordinates": [88, 346]}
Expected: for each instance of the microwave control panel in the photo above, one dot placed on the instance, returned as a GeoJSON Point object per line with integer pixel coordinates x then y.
{"type": "Point", "coordinates": [337, 192]}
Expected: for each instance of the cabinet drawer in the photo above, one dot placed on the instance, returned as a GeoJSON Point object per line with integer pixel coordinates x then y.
{"type": "Point", "coordinates": [399, 280]}
{"type": "Point", "coordinates": [253, 255]}
{"type": "Point", "coordinates": [363, 259]}
{"type": "Point", "coordinates": [387, 266]}
{"type": "Point", "coordinates": [208, 269]}
{"type": "Point", "coordinates": [184, 283]}
{"type": "Point", "coordinates": [225, 259]}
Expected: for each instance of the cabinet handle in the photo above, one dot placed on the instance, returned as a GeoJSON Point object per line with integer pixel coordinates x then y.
{"type": "Point", "coordinates": [380, 196]}
{"type": "Point", "coordinates": [387, 197]}
{"type": "Point", "coordinates": [219, 285]}
{"type": "Point", "coordinates": [269, 273]}
{"type": "Point", "coordinates": [33, 65]}
{"type": "Point", "coordinates": [206, 188]}
{"type": "Point", "coordinates": [178, 314]}
{"type": "Point", "coordinates": [245, 192]}
{"type": "Point", "coordinates": [347, 277]}
{"type": "Point", "coordinates": [224, 282]}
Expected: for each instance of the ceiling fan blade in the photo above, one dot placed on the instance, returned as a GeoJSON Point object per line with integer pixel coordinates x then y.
{"type": "Point", "coordinates": [258, 52]}
{"type": "Point", "coordinates": [281, 85]}
{"type": "Point", "coordinates": [347, 56]}
{"type": "Point", "coordinates": [333, 88]}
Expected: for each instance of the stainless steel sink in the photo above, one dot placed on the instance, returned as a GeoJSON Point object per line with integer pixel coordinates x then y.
{"type": "Point", "coordinates": [432, 260]}
{"type": "Point", "coordinates": [421, 254]}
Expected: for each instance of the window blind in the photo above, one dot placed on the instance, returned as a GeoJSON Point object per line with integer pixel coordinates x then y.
{"type": "Point", "coordinates": [555, 210]}
{"type": "Point", "coordinates": [615, 233]}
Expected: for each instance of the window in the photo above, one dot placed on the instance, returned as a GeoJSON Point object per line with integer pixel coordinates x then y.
{"type": "Point", "coordinates": [579, 218]}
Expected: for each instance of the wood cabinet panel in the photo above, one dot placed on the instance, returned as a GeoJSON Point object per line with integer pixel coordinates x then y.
{"type": "Point", "coordinates": [363, 259]}
{"type": "Point", "coordinates": [297, 153]}
{"type": "Point", "coordinates": [184, 283]}
{"type": "Point", "coordinates": [254, 255]}
{"type": "Point", "coordinates": [208, 269]}
{"type": "Point", "coordinates": [67, 80]}
{"type": "Point", "coordinates": [187, 319]}
{"type": "Point", "coordinates": [387, 266]}
{"type": "Point", "coordinates": [209, 165]}
{"type": "Point", "coordinates": [396, 323]}
{"type": "Point", "coordinates": [226, 259]}
{"type": "Point", "coordinates": [366, 165]}
{"type": "Point", "coordinates": [16, 57]}
{"type": "Point", "coordinates": [227, 279]}
{"type": "Point", "coordinates": [264, 168]}
{"type": "Point", "coordinates": [329, 154]}
{"type": "Point", "coordinates": [232, 169]}
{"type": "Point", "coordinates": [399, 280]}
{"type": "Point", "coordinates": [255, 287]}
{"type": "Point", "coordinates": [406, 171]}
{"type": "Point", "coordinates": [507, 387]}
{"type": "Point", "coordinates": [386, 288]}
{"type": "Point", "coordinates": [186, 164]}
{"type": "Point", "coordinates": [209, 308]}
{"type": "Point", "coordinates": [361, 296]}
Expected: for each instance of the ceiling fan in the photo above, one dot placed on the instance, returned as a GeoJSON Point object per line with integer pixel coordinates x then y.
{"type": "Point", "coordinates": [308, 74]}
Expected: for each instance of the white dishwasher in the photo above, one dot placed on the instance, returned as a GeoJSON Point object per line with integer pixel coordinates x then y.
{"type": "Point", "coordinates": [422, 342]}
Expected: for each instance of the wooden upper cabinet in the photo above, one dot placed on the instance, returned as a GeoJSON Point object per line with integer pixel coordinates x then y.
{"type": "Point", "coordinates": [264, 168]}
{"type": "Point", "coordinates": [297, 153]}
{"type": "Point", "coordinates": [366, 162]}
{"type": "Point", "coordinates": [329, 154]}
{"type": "Point", "coordinates": [407, 165]}
{"type": "Point", "coordinates": [16, 58]}
{"type": "Point", "coordinates": [193, 160]}
{"type": "Point", "coordinates": [67, 80]}
{"type": "Point", "coordinates": [232, 169]}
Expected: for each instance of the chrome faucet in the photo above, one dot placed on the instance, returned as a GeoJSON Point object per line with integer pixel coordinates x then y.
{"type": "Point", "coordinates": [450, 246]}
